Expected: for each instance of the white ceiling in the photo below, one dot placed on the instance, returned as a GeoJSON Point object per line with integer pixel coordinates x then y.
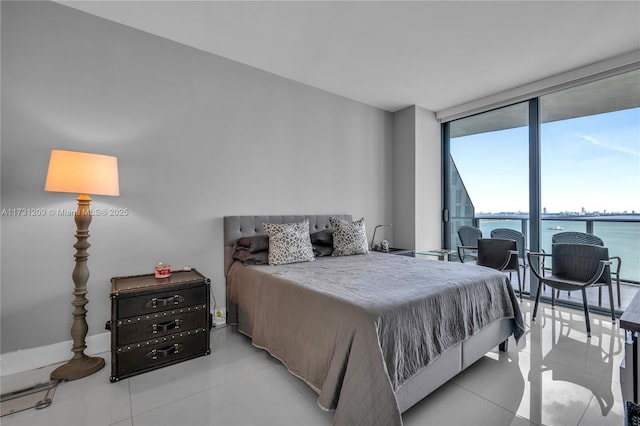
{"type": "Point", "coordinates": [391, 54]}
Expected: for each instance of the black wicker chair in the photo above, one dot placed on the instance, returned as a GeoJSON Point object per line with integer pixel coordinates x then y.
{"type": "Point", "coordinates": [500, 254]}
{"type": "Point", "coordinates": [521, 242]}
{"type": "Point", "coordinates": [571, 237]}
{"type": "Point", "coordinates": [469, 236]}
{"type": "Point", "coordinates": [575, 267]}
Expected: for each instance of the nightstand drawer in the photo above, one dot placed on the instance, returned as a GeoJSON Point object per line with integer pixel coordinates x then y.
{"type": "Point", "coordinates": [150, 326]}
{"type": "Point", "coordinates": [162, 301]}
{"type": "Point", "coordinates": [151, 354]}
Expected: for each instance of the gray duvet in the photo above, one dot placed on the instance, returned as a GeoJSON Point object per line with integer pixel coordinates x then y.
{"type": "Point", "coordinates": [355, 328]}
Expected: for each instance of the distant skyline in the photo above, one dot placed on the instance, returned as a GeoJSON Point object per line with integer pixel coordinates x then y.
{"type": "Point", "coordinates": [590, 163]}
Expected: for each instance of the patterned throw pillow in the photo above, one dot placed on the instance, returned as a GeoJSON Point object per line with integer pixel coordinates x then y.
{"type": "Point", "coordinates": [349, 238]}
{"type": "Point", "coordinates": [289, 242]}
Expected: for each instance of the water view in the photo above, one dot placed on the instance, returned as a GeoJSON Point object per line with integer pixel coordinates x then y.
{"type": "Point", "coordinates": [622, 238]}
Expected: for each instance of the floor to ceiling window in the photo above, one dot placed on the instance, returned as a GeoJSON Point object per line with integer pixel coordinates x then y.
{"type": "Point", "coordinates": [488, 170]}
{"type": "Point", "coordinates": [589, 169]}
{"type": "Point", "coordinates": [590, 166]}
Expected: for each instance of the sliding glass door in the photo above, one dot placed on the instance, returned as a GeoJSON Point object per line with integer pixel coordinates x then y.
{"type": "Point", "coordinates": [571, 157]}
{"type": "Point", "coordinates": [590, 170]}
{"type": "Point", "coordinates": [488, 172]}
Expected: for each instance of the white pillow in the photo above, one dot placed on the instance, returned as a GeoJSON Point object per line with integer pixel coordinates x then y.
{"type": "Point", "coordinates": [349, 238]}
{"type": "Point", "coordinates": [289, 242]}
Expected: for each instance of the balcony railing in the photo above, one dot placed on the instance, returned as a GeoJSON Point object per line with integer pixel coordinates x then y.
{"type": "Point", "coordinates": [621, 234]}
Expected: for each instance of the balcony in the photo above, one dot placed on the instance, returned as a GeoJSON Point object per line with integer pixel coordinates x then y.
{"type": "Point", "coordinates": [620, 233]}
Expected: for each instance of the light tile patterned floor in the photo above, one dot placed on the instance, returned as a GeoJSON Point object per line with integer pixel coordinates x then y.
{"type": "Point", "coordinates": [554, 376]}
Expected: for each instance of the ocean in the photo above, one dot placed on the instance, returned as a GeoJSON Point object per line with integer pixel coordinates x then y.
{"type": "Point", "coordinates": [622, 238]}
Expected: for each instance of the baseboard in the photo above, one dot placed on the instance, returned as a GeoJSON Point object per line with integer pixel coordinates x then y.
{"type": "Point", "coordinates": [42, 356]}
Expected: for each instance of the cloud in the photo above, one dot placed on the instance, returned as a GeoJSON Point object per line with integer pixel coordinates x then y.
{"type": "Point", "coordinates": [608, 146]}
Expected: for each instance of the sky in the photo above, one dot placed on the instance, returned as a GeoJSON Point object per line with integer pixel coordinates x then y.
{"type": "Point", "coordinates": [589, 162]}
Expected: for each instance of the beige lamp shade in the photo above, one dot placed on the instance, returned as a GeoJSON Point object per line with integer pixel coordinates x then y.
{"type": "Point", "coordinates": [82, 173]}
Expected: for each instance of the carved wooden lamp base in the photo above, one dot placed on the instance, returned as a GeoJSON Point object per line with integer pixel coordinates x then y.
{"type": "Point", "coordinates": [80, 365]}
{"type": "Point", "coordinates": [77, 368]}
{"type": "Point", "coordinates": [81, 173]}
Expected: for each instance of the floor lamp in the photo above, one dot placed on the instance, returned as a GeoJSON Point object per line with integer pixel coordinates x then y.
{"type": "Point", "coordinates": [81, 173]}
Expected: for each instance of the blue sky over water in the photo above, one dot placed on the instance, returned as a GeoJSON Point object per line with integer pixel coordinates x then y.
{"type": "Point", "coordinates": [590, 162]}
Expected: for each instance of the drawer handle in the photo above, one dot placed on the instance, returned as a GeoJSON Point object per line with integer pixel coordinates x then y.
{"type": "Point", "coordinates": [174, 349]}
{"type": "Point", "coordinates": [164, 326]}
{"type": "Point", "coordinates": [173, 300]}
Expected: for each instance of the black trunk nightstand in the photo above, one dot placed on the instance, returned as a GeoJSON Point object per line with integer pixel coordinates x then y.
{"type": "Point", "coordinates": [158, 322]}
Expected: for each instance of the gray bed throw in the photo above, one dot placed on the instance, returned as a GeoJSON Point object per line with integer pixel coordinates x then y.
{"type": "Point", "coordinates": [356, 327]}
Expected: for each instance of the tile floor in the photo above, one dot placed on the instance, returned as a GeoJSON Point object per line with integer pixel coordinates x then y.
{"type": "Point", "coordinates": [554, 376]}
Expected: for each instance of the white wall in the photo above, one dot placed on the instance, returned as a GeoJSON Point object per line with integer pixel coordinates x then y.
{"type": "Point", "coordinates": [417, 179]}
{"type": "Point", "coordinates": [197, 137]}
{"type": "Point", "coordinates": [404, 185]}
{"type": "Point", "coordinates": [428, 178]}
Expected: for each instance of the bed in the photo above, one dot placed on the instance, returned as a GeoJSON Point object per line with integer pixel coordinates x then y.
{"type": "Point", "coordinates": [374, 333]}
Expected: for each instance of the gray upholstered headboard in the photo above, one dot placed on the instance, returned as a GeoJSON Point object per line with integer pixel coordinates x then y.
{"type": "Point", "coordinates": [236, 227]}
